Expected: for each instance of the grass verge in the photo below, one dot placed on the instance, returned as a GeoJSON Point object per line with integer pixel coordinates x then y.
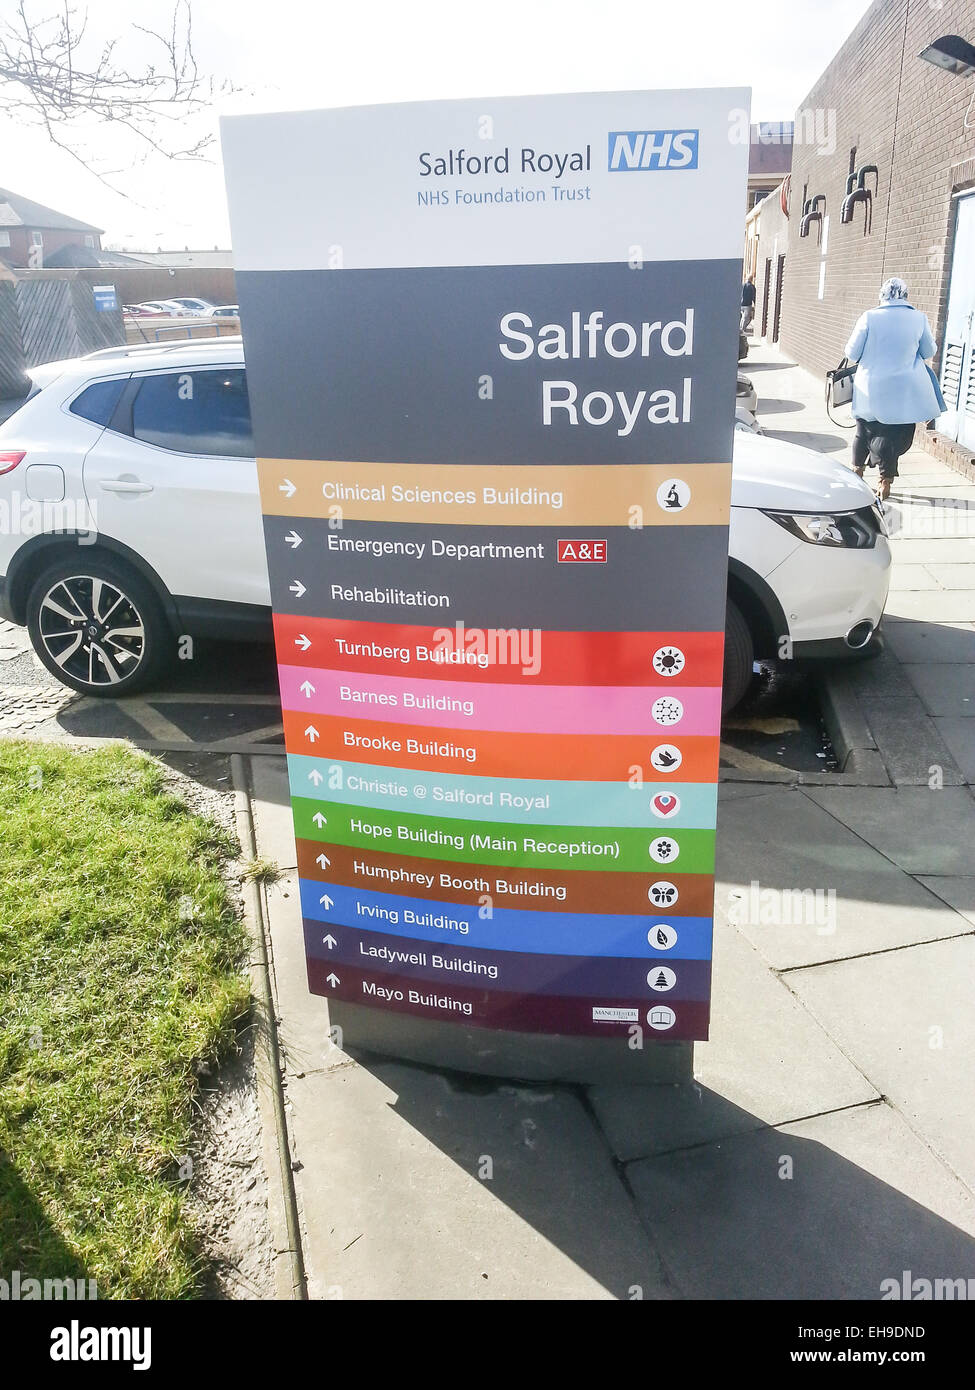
{"type": "Point", "coordinates": [120, 973]}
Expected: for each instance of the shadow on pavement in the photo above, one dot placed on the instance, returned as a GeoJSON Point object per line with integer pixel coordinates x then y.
{"type": "Point", "coordinates": [771, 405]}
{"type": "Point", "coordinates": [762, 1214]}
{"type": "Point", "coordinates": [811, 439]}
{"type": "Point", "coordinates": [764, 366]}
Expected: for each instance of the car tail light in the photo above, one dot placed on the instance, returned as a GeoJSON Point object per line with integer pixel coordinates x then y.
{"type": "Point", "coordinates": [10, 459]}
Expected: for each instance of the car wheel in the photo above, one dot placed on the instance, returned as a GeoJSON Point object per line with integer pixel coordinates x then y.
{"type": "Point", "coordinates": [739, 655]}
{"type": "Point", "coordinates": [98, 626]}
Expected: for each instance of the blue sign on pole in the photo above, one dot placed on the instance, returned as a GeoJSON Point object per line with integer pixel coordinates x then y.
{"type": "Point", "coordinates": [106, 299]}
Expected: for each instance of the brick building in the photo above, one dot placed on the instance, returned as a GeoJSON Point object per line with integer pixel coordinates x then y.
{"type": "Point", "coordinates": [769, 158]}
{"type": "Point", "coordinates": [30, 234]}
{"type": "Point", "coordinates": [901, 132]}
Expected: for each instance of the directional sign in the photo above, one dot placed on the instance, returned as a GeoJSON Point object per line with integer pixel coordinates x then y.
{"type": "Point", "coordinates": [495, 468]}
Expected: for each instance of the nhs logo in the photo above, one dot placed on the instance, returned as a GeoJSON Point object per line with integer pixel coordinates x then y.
{"type": "Point", "coordinates": [652, 149]}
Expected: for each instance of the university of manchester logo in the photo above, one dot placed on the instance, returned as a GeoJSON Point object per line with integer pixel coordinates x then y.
{"type": "Point", "coordinates": [652, 149]}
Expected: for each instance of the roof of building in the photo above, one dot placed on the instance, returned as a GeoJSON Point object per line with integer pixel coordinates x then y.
{"type": "Point", "coordinates": [84, 257]}
{"type": "Point", "coordinates": [17, 211]}
{"type": "Point", "coordinates": [214, 258]}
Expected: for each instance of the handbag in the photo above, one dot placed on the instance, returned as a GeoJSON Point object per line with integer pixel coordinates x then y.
{"type": "Point", "coordinates": [839, 389]}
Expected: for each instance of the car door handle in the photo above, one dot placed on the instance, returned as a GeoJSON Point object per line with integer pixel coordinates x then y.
{"type": "Point", "coordinates": [124, 485]}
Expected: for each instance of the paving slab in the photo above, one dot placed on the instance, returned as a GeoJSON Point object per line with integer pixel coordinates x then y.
{"type": "Point", "coordinates": [944, 483]}
{"type": "Point", "coordinates": [883, 678]}
{"type": "Point", "coordinates": [741, 791]}
{"type": "Point", "coordinates": [941, 550]}
{"type": "Point", "coordinates": [931, 642]}
{"type": "Point", "coordinates": [908, 577]}
{"type": "Point", "coordinates": [273, 824]}
{"type": "Point", "coordinates": [821, 893]}
{"type": "Point", "coordinates": [922, 831]}
{"type": "Point", "coordinates": [304, 1028]}
{"type": "Point", "coordinates": [768, 1061]}
{"type": "Point", "coordinates": [910, 742]}
{"type": "Point", "coordinates": [417, 1185]}
{"type": "Point", "coordinates": [959, 893]}
{"type": "Point", "coordinates": [944, 687]}
{"type": "Point", "coordinates": [959, 736]}
{"type": "Point", "coordinates": [943, 606]}
{"type": "Point", "coordinates": [824, 1209]}
{"type": "Point", "coordinates": [906, 1019]}
{"type": "Point", "coordinates": [954, 576]}
{"type": "Point", "coordinates": [915, 518]}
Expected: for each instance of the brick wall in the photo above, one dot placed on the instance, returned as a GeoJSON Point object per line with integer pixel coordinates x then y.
{"type": "Point", "coordinates": [18, 253]}
{"type": "Point", "coordinates": [907, 117]}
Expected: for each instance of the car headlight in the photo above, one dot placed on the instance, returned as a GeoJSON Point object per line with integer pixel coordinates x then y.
{"type": "Point", "coordinates": [849, 530]}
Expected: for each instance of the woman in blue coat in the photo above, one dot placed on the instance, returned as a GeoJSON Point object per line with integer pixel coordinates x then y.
{"type": "Point", "coordinates": [893, 389]}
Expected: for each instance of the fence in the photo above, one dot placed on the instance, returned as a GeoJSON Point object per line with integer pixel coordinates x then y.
{"type": "Point", "coordinates": [45, 316]}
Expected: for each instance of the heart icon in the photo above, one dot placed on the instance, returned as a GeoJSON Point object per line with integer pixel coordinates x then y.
{"type": "Point", "coordinates": [665, 805]}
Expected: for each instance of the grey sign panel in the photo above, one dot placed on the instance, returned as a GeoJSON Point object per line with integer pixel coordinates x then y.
{"type": "Point", "coordinates": [389, 366]}
{"type": "Point", "coordinates": [644, 586]}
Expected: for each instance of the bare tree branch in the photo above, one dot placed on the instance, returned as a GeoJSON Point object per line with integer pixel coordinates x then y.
{"type": "Point", "coordinates": [50, 79]}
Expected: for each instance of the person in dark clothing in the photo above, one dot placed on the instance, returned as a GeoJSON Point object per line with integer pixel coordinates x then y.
{"type": "Point", "coordinates": [748, 295]}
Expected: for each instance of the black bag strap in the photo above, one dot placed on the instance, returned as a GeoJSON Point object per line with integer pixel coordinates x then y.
{"type": "Point", "coordinates": [829, 382]}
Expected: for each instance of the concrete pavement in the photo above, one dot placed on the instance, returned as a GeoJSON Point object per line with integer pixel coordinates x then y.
{"type": "Point", "coordinates": [827, 1141]}
{"type": "Point", "coordinates": [825, 1145]}
{"type": "Point", "coordinates": [909, 716]}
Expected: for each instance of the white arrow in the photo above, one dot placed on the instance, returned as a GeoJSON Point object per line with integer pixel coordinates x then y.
{"type": "Point", "coordinates": [312, 733]}
{"type": "Point", "coordinates": [315, 776]}
{"type": "Point", "coordinates": [293, 539]}
{"type": "Point", "coordinates": [297, 588]}
{"type": "Point", "coordinates": [329, 941]}
{"type": "Point", "coordinates": [302, 641]}
{"type": "Point", "coordinates": [326, 901]}
{"type": "Point", "coordinates": [319, 819]}
{"type": "Point", "coordinates": [323, 860]}
{"type": "Point", "coordinates": [307, 689]}
{"type": "Point", "coordinates": [287, 487]}
{"type": "Point", "coordinates": [333, 980]}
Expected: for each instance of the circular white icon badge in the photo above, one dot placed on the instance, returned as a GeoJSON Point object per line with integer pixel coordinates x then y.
{"type": "Point", "coordinates": [673, 495]}
{"type": "Point", "coordinates": [662, 937]}
{"type": "Point", "coordinates": [662, 893]}
{"type": "Point", "coordinates": [668, 661]}
{"type": "Point", "coordinates": [662, 978]}
{"type": "Point", "coordinates": [665, 805]}
{"type": "Point", "coordinates": [664, 850]}
{"type": "Point", "coordinates": [660, 1017]}
{"type": "Point", "coordinates": [667, 710]}
{"type": "Point", "coordinates": [666, 757]}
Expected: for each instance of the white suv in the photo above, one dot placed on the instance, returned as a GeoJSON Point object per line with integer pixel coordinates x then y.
{"type": "Point", "coordinates": [130, 489]}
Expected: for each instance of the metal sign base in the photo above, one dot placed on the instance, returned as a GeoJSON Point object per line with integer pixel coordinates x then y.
{"type": "Point", "coordinates": [514, 1056]}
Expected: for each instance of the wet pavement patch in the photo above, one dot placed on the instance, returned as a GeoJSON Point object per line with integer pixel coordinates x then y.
{"type": "Point", "coordinates": [778, 724]}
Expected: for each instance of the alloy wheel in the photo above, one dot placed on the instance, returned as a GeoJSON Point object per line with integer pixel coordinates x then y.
{"type": "Point", "coordinates": [92, 630]}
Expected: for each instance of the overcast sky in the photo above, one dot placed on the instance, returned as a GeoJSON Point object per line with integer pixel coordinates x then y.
{"type": "Point", "coordinates": [294, 54]}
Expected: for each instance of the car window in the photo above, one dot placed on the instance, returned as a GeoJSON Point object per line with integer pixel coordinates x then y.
{"type": "Point", "coordinates": [97, 402]}
{"type": "Point", "coordinates": [195, 412]}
